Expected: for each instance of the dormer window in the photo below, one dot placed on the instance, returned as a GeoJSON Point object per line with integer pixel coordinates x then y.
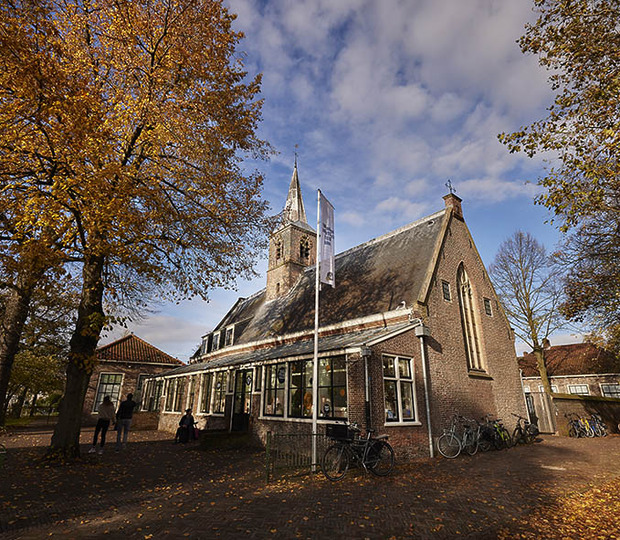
{"type": "Point", "coordinates": [216, 342]}
{"type": "Point", "coordinates": [229, 336]}
{"type": "Point", "coordinates": [304, 249]}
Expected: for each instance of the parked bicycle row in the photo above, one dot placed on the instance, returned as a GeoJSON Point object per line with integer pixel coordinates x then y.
{"type": "Point", "coordinates": [580, 426]}
{"type": "Point", "coordinates": [469, 435]}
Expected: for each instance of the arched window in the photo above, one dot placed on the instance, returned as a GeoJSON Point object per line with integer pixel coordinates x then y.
{"type": "Point", "coordinates": [304, 248]}
{"type": "Point", "coordinates": [278, 249]}
{"type": "Point", "coordinates": [468, 321]}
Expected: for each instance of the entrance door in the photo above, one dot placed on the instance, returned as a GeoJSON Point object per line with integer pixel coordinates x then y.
{"type": "Point", "coordinates": [242, 401]}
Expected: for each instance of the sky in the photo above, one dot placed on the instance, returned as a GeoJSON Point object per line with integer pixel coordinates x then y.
{"type": "Point", "coordinates": [386, 101]}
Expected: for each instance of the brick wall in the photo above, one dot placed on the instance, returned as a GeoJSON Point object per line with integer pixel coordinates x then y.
{"type": "Point", "coordinates": [608, 408]}
{"type": "Point", "coordinates": [130, 371]}
{"type": "Point", "coordinates": [453, 387]}
{"type": "Point", "coordinates": [593, 381]}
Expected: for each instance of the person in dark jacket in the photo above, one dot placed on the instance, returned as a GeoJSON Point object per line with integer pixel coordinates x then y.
{"type": "Point", "coordinates": [123, 420]}
{"type": "Point", "coordinates": [186, 428]}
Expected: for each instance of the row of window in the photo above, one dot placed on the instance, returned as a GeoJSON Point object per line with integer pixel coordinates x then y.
{"type": "Point", "coordinates": [287, 390]}
{"type": "Point", "coordinates": [110, 384]}
{"type": "Point", "coordinates": [607, 390]}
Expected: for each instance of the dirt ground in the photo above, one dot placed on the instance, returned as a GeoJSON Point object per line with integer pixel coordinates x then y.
{"type": "Point", "coordinates": [157, 489]}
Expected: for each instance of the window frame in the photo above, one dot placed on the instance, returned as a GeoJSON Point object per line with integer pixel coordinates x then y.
{"type": "Point", "coordinates": [280, 386]}
{"type": "Point", "coordinates": [229, 336]}
{"type": "Point", "coordinates": [446, 291]}
{"type": "Point", "coordinates": [488, 308]}
{"type": "Point", "coordinates": [398, 382]}
{"type": "Point", "coordinates": [218, 400]}
{"type": "Point", "coordinates": [331, 388]}
{"type": "Point", "coordinates": [572, 387]}
{"type": "Point", "coordinates": [98, 393]}
{"type": "Point", "coordinates": [470, 324]}
{"type": "Point", "coordinates": [304, 388]}
{"type": "Point", "coordinates": [616, 392]}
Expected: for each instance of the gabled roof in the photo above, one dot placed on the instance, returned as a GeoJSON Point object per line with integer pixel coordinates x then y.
{"type": "Point", "coordinates": [133, 349]}
{"type": "Point", "coordinates": [573, 359]}
{"type": "Point", "coordinates": [374, 277]}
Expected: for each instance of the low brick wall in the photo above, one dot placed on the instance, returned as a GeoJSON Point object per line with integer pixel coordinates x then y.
{"type": "Point", "coordinates": [566, 404]}
{"type": "Point", "coordinates": [145, 421]}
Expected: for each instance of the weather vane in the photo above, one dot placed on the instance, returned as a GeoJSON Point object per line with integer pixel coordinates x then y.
{"type": "Point", "coordinates": [450, 187]}
{"type": "Point", "coordinates": [296, 147]}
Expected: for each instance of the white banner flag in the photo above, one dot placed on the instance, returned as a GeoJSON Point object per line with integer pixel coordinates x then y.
{"type": "Point", "coordinates": [326, 248]}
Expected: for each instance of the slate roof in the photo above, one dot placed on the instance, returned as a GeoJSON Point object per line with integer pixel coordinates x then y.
{"type": "Point", "coordinates": [298, 348]}
{"type": "Point", "coordinates": [573, 359]}
{"type": "Point", "coordinates": [371, 278]}
{"type": "Point", "coordinates": [133, 349]}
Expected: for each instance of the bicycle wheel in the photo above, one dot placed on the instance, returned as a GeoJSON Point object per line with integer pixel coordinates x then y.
{"type": "Point", "coordinates": [335, 462]}
{"type": "Point", "coordinates": [470, 442]}
{"type": "Point", "coordinates": [380, 459]}
{"type": "Point", "coordinates": [518, 436]}
{"type": "Point", "coordinates": [449, 445]}
{"type": "Point", "coordinates": [572, 431]}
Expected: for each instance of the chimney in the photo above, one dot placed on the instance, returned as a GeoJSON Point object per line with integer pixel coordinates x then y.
{"type": "Point", "coordinates": [454, 202]}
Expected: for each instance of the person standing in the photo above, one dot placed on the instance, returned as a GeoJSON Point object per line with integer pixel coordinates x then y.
{"type": "Point", "coordinates": [123, 420]}
{"type": "Point", "coordinates": [106, 415]}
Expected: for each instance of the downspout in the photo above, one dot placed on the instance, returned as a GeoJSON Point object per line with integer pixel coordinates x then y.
{"type": "Point", "coordinates": [365, 353]}
{"type": "Point", "coordinates": [423, 331]}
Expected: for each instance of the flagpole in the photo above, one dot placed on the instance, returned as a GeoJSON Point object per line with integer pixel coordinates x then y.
{"type": "Point", "coordinates": [315, 363]}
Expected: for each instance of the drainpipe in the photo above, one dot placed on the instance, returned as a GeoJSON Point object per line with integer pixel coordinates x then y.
{"type": "Point", "coordinates": [423, 331]}
{"type": "Point", "coordinates": [365, 353]}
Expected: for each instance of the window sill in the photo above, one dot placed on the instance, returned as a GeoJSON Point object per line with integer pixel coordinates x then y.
{"type": "Point", "coordinates": [402, 424]}
{"type": "Point", "coordinates": [305, 420]}
{"type": "Point", "coordinates": [475, 374]}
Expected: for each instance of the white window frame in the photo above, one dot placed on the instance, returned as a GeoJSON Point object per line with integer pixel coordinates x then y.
{"type": "Point", "coordinates": [115, 400]}
{"type": "Point", "coordinates": [573, 387]}
{"type": "Point", "coordinates": [229, 332]}
{"type": "Point", "coordinates": [398, 380]}
{"type": "Point", "coordinates": [554, 388]}
{"type": "Point", "coordinates": [617, 391]}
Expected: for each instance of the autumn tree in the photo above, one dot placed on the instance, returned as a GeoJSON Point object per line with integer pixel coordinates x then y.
{"type": "Point", "coordinates": [579, 42]}
{"type": "Point", "coordinates": [529, 286]}
{"type": "Point", "coordinates": [124, 125]}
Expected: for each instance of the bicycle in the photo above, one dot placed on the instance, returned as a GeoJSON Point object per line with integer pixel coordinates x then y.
{"type": "Point", "coordinates": [449, 443]}
{"type": "Point", "coordinates": [374, 454]}
{"type": "Point", "coordinates": [471, 435]}
{"type": "Point", "coordinates": [524, 432]}
{"type": "Point", "coordinates": [495, 435]}
{"type": "Point", "coordinates": [599, 427]}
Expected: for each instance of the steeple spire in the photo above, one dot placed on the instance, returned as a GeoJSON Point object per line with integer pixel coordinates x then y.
{"type": "Point", "coordinates": [294, 210]}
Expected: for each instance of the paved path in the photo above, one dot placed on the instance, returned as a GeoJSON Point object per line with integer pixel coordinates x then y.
{"type": "Point", "coordinates": [155, 489]}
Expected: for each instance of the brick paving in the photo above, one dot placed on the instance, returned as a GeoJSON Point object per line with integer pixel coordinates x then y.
{"type": "Point", "coordinates": [155, 489]}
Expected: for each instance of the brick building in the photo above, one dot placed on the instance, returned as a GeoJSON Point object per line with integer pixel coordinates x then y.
{"type": "Point", "coordinates": [578, 368]}
{"type": "Point", "coordinates": [122, 368]}
{"type": "Point", "coordinates": [412, 333]}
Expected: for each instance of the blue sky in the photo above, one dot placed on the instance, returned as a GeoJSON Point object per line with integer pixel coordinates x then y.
{"type": "Point", "coordinates": [387, 100]}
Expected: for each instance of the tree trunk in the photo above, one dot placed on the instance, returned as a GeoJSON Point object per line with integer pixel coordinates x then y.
{"type": "Point", "coordinates": [15, 315]}
{"type": "Point", "coordinates": [82, 361]}
{"type": "Point", "coordinates": [539, 353]}
{"type": "Point", "coordinates": [17, 409]}
{"type": "Point", "coordinates": [33, 405]}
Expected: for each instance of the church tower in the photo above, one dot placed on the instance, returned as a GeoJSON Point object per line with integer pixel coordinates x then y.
{"type": "Point", "coordinates": [292, 245]}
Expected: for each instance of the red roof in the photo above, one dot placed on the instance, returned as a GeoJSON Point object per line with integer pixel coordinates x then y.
{"type": "Point", "coordinates": [574, 359]}
{"type": "Point", "coordinates": [133, 349]}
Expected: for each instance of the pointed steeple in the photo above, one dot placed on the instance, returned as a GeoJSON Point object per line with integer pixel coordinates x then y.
{"type": "Point", "coordinates": [294, 210]}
